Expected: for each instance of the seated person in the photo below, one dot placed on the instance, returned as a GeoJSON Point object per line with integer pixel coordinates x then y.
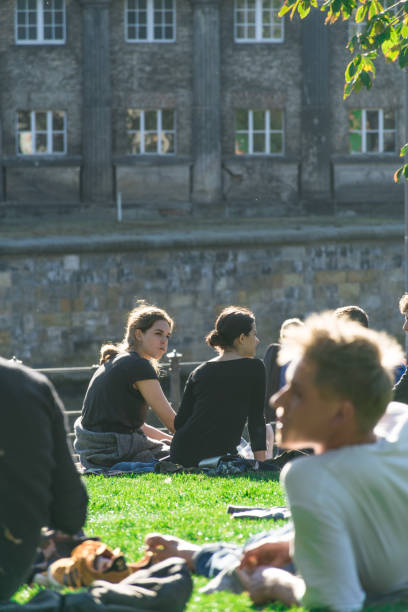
{"type": "Point", "coordinates": [275, 373]}
{"type": "Point", "coordinates": [39, 484]}
{"type": "Point", "coordinates": [348, 501]}
{"type": "Point", "coordinates": [112, 426]}
{"type": "Point", "coordinates": [221, 394]}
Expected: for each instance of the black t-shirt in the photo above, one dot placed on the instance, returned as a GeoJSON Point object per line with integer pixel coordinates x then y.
{"type": "Point", "coordinates": [218, 399]}
{"type": "Point", "coordinates": [39, 484]}
{"type": "Point", "coordinates": [111, 402]}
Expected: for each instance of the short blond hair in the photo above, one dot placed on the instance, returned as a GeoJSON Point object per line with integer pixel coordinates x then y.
{"type": "Point", "coordinates": [403, 304]}
{"type": "Point", "coordinates": [351, 361]}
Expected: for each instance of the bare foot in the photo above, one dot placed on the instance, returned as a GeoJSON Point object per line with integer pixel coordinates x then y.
{"type": "Point", "coordinates": [163, 547]}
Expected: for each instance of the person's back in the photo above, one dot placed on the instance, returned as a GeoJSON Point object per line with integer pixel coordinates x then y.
{"type": "Point", "coordinates": [220, 396]}
{"type": "Point", "coordinates": [39, 484]}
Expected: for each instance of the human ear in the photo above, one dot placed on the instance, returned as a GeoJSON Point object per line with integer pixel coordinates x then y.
{"type": "Point", "coordinates": [138, 335]}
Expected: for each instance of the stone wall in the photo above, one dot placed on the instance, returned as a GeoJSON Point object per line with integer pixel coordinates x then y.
{"type": "Point", "coordinates": [60, 299]}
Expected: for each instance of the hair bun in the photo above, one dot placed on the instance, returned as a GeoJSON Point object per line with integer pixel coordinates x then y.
{"type": "Point", "coordinates": [214, 338]}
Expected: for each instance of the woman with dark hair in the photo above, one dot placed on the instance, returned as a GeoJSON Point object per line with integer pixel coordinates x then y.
{"type": "Point", "coordinates": [112, 427]}
{"type": "Point", "coordinates": [222, 394]}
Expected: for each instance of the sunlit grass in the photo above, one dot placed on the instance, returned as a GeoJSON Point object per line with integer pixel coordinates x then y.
{"type": "Point", "coordinates": [122, 510]}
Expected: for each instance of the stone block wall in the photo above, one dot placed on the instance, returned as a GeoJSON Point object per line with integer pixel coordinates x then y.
{"type": "Point", "coordinates": [60, 302]}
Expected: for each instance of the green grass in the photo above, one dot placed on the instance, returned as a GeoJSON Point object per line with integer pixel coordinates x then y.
{"type": "Point", "coordinates": [124, 509]}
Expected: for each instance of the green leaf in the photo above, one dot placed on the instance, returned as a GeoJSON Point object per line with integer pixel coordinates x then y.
{"type": "Point", "coordinates": [397, 175]}
{"type": "Point", "coordinates": [404, 150]}
{"type": "Point", "coordinates": [361, 13]}
{"type": "Point", "coordinates": [365, 79]}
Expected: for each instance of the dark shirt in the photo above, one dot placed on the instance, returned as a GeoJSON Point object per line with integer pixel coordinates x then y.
{"type": "Point", "coordinates": [401, 389]}
{"type": "Point", "coordinates": [111, 402]}
{"type": "Point", "coordinates": [218, 399]}
{"type": "Point", "coordinates": [39, 484]}
{"type": "Point", "coordinates": [273, 378]}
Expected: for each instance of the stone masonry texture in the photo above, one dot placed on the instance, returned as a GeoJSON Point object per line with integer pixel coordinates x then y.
{"type": "Point", "coordinates": [56, 309]}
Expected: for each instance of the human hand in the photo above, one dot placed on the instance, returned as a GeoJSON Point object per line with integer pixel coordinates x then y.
{"type": "Point", "coordinates": [272, 554]}
{"type": "Point", "coordinates": [265, 584]}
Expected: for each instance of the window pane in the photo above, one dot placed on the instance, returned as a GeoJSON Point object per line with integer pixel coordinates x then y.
{"type": "Point", "coordinates": [41, 143]}
{"type": "Point", "coordinates": [48, 33]}
{"type": "Point", "coordinates": [168, 33]}
{"type": "Point", "coordinates": [259, 143]}
{"type": "Point", "coordinates": [32, 18]}
{"type": "Point", "coordinates": [23, 119]}
{"type": "Point", "coordinates": [133, 119]}
{"type": "Point", "coordinates": [355, 143]}
{"type": "Point", "coordinates": [372, 142]}
{"type": "Point", "coordinates": [142, 18]}
{"type": "Point", "coordinates": [275, 119]}
{"type": "Point", "coordinates": [58, 121]}
{"type": "Point", "coordinates": [21, 33]}
{"type": "Point", "coordinates": [259, 120]}
{"type": "Point", "coordinates": [241, 144]}
{"type": "Point", "coordinates": [150, 120]}
{"type": "Point", "coordinates": [266, 32]}
{"type": "Point", "coordinates": [372, 120]}
{"type": "Point", "coordinates": [389, 142]}
{"type": "Point", "coordinates": [266, 4]}
{"type": "Point", "coordinates": [240, 32]}
{"type": "Point", "coordinates": [277, 32]}
{"type": "Point", "coordinates": [355, 120]}
{"type": "Point", "coordinates": [241, 119]}
{"type": "Point", "coordinates": [59, 33]}
{"type": "Point", "coordinates": [25, 143]}
{"type": "Point", "coordinates": [134, 143]}
{"type": "Point", "coordinates": [389, 120]}
{"type": "Point", "coordinates": [168, 120]}
{"type": "Point", "coordinates": [151, 143]}
{"type": "Point", "coordinates": [276, 143]}
{"type": "Point", "coordinates": [41, 121]}
{"type": "Point", "coordinates": [167, 143]}
{"type": "Point", "coordinates": [47, 18]}
{"type": "Point", "coordinates": [32, 33]}
{"type": "Point", "coordinates": [251, 32]}
{"type": "Point", "coordinates": [58, 143]}
{"type": "Point", "coordinates": [142, 33]}
{"type": "Point", "coordinates": [157, 33]}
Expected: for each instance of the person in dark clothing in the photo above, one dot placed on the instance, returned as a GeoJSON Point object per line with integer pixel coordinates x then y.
{"type": "Point", "coordinates": [275, 374]}
{"type": "Point", "coordinates": [39, 485]}
{"type": "Point", "coordinates": [221, 394]}
{"type": "Point", "coordinates": [112, 426]}
{"type": "Point", "coordinates": [401, 388]}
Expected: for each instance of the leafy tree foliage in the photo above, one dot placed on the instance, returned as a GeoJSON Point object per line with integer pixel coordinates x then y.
{"type": "Point", "coordinates": [383, 31]}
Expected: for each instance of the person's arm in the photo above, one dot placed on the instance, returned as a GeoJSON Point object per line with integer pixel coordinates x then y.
{"type": "Point", "coordinates": [154, 396]}
{"type": "Point", "coordinates": [186, 405]}
{"type": "Point", "coordinates": [323, 553]}
{"type": "Point", "coordinates": [256, 419]}
{"type": "Point", "coordinates": [266, 552]}
{"type": "Point", "coordinates": [154, 433]}
{"type": "Point", "coordinates": [69, 499]}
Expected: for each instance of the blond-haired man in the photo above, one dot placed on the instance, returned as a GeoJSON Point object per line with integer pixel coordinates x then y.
{"type": "Point", "coordinates": [349, 500]}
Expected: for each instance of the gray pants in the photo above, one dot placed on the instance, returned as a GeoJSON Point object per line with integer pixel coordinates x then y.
{"type": "Point", "coordinates": [165, 587]}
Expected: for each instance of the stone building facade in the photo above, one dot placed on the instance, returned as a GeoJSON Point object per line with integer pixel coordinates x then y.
{"type": "Point", "coordinates": [203, 106]}
{"type": "Point", "coordinates": [60, 299]}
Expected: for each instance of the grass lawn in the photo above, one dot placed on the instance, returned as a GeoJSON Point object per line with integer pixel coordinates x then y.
{"type": "Point", "coordinates": [124, 509]}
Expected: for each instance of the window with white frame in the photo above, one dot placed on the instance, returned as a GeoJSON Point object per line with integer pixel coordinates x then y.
{"type": "Point", "coordinates": [258, 21]}
{"type": "Point", "coordinates": [372, 131]}
{"type": "Point", "coordinates": [40, 22]}
{"type": "Point", "coordinates": [259, 132]}
{"type": "Point", "coordinates": [150, 20]}
{"type": "Point", "coordinates": [151, 131]}
{"type": "Point", "coordinates": [41, 132]}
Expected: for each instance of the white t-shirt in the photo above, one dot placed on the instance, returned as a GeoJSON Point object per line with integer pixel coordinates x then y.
{"type": "Point", "coordinates": [350, 512]}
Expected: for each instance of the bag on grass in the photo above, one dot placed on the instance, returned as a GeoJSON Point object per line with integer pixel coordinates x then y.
{"type": "Point", "coordinates": [88, 562]}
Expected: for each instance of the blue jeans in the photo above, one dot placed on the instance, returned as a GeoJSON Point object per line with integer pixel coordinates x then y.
{"type": "Point", "coordinates": [214, 558]}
